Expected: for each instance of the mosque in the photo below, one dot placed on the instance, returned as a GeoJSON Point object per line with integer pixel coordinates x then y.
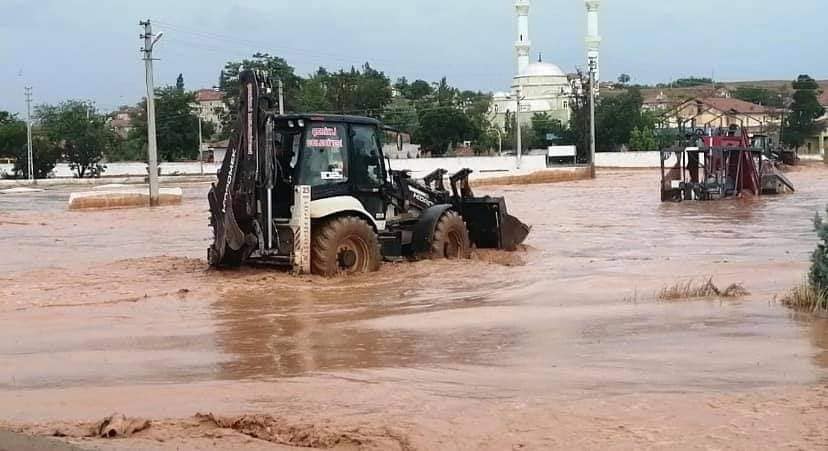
{"type": "Point", "coordinates": [543, 87]}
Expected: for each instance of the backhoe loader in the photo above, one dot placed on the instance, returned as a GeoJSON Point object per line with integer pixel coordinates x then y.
{"type": "Point", "coordinates": [314, 192]}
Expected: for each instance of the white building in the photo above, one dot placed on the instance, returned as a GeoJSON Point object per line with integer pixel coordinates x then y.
{"type": "Point", "coordinates": [542, 87]}
{"type": "Point", "coordinates": [211, 106]}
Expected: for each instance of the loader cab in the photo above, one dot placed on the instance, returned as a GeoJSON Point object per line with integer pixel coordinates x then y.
{"type": "Point", "coordinates": [335, 156]}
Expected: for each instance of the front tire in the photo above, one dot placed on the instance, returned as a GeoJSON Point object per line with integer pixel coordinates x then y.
{"type": "Point", "coordinates": [344, 246]}
{"type": "Point", "coordinates": [451, 238]}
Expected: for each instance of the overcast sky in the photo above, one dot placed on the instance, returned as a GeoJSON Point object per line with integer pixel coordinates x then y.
{"type": "Point", "coordinates": [88, 49]}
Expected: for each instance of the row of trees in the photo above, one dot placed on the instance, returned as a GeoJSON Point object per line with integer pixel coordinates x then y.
{"type": "Point", "coordinates": [76, 132]}
{"type": "Point", "coordinates": [436, 114]}
{"type": "Point", "coordinates": [73, 131]}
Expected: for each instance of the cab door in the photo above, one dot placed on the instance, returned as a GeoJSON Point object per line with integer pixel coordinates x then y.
{"type": "Point", "coordinates": [367, 169]}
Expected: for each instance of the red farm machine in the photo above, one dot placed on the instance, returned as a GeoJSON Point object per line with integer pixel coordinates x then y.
{"type": "Point", "coordinates": [720, 163]}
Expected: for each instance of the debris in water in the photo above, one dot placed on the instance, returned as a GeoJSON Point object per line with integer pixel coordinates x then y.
{"type": "Point", "coordinates": [118, 425]}
{"type": "Point", "coordinates": [690, 290]}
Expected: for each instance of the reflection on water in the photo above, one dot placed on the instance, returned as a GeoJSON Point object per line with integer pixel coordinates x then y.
{"type": "Point", "coordinates": [271, 334]}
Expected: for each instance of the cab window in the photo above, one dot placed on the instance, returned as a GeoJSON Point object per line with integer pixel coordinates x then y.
{"type": "Point", "coordinates": [324, 158]}
{"type": "Point", "coordinates": [366, 167]}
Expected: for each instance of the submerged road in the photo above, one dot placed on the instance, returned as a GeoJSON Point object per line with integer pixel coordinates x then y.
{"type": "Point", "coordinates": [564, 345]}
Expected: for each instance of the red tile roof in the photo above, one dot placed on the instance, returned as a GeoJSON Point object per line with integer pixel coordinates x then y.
{"type": "Point", "coordinates": [209, 95]}
{"type": "Point", "coordinates": [735, 105]}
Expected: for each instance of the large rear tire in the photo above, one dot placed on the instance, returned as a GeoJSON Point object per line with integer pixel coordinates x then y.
{"type": "Point", "coordinates": [344, 246]}
{"type": "Point", "coordinates": [451, 238]}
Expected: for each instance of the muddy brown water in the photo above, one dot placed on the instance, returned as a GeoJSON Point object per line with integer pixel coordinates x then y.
{"type": "Point", "coordinates": [116, 310]}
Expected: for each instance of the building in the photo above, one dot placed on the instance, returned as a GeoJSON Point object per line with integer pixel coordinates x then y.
{"type": "Point", "coordinates": [211, 106]}
{"type": "Point", "coordinates": [715, 112]}
{"type": "Point", "coordinates": [541, 87]}
{"type": "Point", "coordinates": [121, 121]}
{"type": "Point", "coordinates": [815, 145]}
{"type": "Point", "coordinates": [662, 100]}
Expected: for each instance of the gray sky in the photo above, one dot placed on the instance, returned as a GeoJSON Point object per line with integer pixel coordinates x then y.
{"type": "Point", "coordinates": [88, 49]}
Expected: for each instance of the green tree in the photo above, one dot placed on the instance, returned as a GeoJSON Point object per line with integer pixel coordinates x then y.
{"type": "Point", "coordinates": [758, 95]}
{"type": "Point", "coordinates": [818, 276]}
{"type": "Point", "coordinates": [365, 92]}
{"type": "Point", "coordinates": [402, 115]}
{"type": "Point", "coordinates": [176, 125]}
{"type": "Point", "coordinates": [443, 127]}
{"type": "Point", "coordinates": [314, 96]}
{"type": "Point", "coordinates": [805, 110]}
{"type": "Point", "coordinates": [616, 117]}
{"type": "Point", "coordinates": [277, 68]}
{"type": "Point", "coordinates": [81, 132]}
{"type": "Point", "coordinates": [542, 126]}
{"type": "Point", "coordinates": [688, 82]}
{"type": "Point", "coordinates": [623, 79]}
{"type": "Point", "coordinates": [13, 144]}
{"type": "Point", "coordinates": [643, 139]}
{"type": "Point", "coordinates": [418, 90]}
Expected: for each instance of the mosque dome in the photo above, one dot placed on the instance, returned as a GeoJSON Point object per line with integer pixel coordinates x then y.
{"type": "Point", "coordinates": [542, 70]}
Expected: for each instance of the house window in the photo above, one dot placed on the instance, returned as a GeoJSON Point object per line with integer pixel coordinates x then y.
{"type": "Point", "coordinates": [566, 104]}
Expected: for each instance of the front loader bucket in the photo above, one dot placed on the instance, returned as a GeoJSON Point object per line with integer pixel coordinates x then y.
{"type": "Point", "coordinates": [513, 232]}
{"type": "Point", "coordinates": [490, 225]}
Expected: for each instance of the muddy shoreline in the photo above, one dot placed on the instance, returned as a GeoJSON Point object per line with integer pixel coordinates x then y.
{"type": "Point", "coordinates": [563, 345]}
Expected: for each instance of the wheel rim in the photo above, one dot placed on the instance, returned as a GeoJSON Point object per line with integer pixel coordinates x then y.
{"type": "Point", "coordinates": [351, 255]}
{"type": "Point", "coordinates": [453, 247]}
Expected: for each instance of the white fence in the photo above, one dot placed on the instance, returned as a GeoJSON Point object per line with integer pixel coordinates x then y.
{"type": "Point", "coordinates": [134, 169]}
{"type": "Point", "coordinates": [483, 167]}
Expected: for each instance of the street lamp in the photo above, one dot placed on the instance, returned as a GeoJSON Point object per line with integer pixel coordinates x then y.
{"type": "Point", "coordinates": [518, 132]}
{"type": "Point", "coordinates": [593, 67]}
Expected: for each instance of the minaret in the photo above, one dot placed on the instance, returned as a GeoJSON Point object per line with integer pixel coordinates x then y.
{"type": "Point", "coordinates": [593, 39]}
{"type": "Point", "coordinates": [523, 44]}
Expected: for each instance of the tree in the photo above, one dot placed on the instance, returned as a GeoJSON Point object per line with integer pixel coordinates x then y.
{"type": "Point", "coordinates": [179, 82]}
{"type": "Point", "coordinates": [643, 139]}
{"type": "Point", "coordinates": [176, 124]}
{"type": "Point", "coordinates": [402, 115]}
{"type": "Point", "coordinates": [418, 90]}
{"type": "Point", "coordinates": [276, 67]}
{"type": "Point", "coordinates": [758, 95]}
{"type": "Point", "coordinates": [442, 127]}
{"type": "Point", "coordinates": [623, 79]}
{"type": "Point", "coordinates": [314, 96]}
{"type": "Point", "coordinates": [616, 117]}
{"type": "Point", "coordinates": [688, 82]}
{"type": "Point", "coordinates": [80, 132]}
{"type": "Point", "coordinates": [14, 144]}
{"type": "Point", "coordinates": [542, 126]}
{"type": "Point", "coordinates": [805, 110]}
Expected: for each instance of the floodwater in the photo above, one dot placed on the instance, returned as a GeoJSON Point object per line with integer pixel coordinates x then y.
{"type": "Point", "coordinates": [563, 345]}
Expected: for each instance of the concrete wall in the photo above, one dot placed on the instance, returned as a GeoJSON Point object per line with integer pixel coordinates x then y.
{"type": "Point", "coordinates": [483, 167]}
{"type": "Point", "coordinates": [628, 159]}
{"type": "Point", "coordinates": [124, 169]}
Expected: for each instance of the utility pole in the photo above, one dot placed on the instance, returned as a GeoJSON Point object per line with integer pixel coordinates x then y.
{"type": "Point", "coordinates": [281, 97]}
{"type": "Point", "coordinates": [200, 146]}
{"type": "Point", "coordinates": [593, 65]}
{"type": "Point", "coordinates": [28, 91]}
{"type": "Point", "coordinates": [152, 141]}
{"type": "Point", "coordinates": [518, 131]}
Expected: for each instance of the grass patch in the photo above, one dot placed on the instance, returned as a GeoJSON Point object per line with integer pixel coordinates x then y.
{"type": "Point", "coordinates": [806, 298]}
{"type": "Point", "coordinates": [693, 290]}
